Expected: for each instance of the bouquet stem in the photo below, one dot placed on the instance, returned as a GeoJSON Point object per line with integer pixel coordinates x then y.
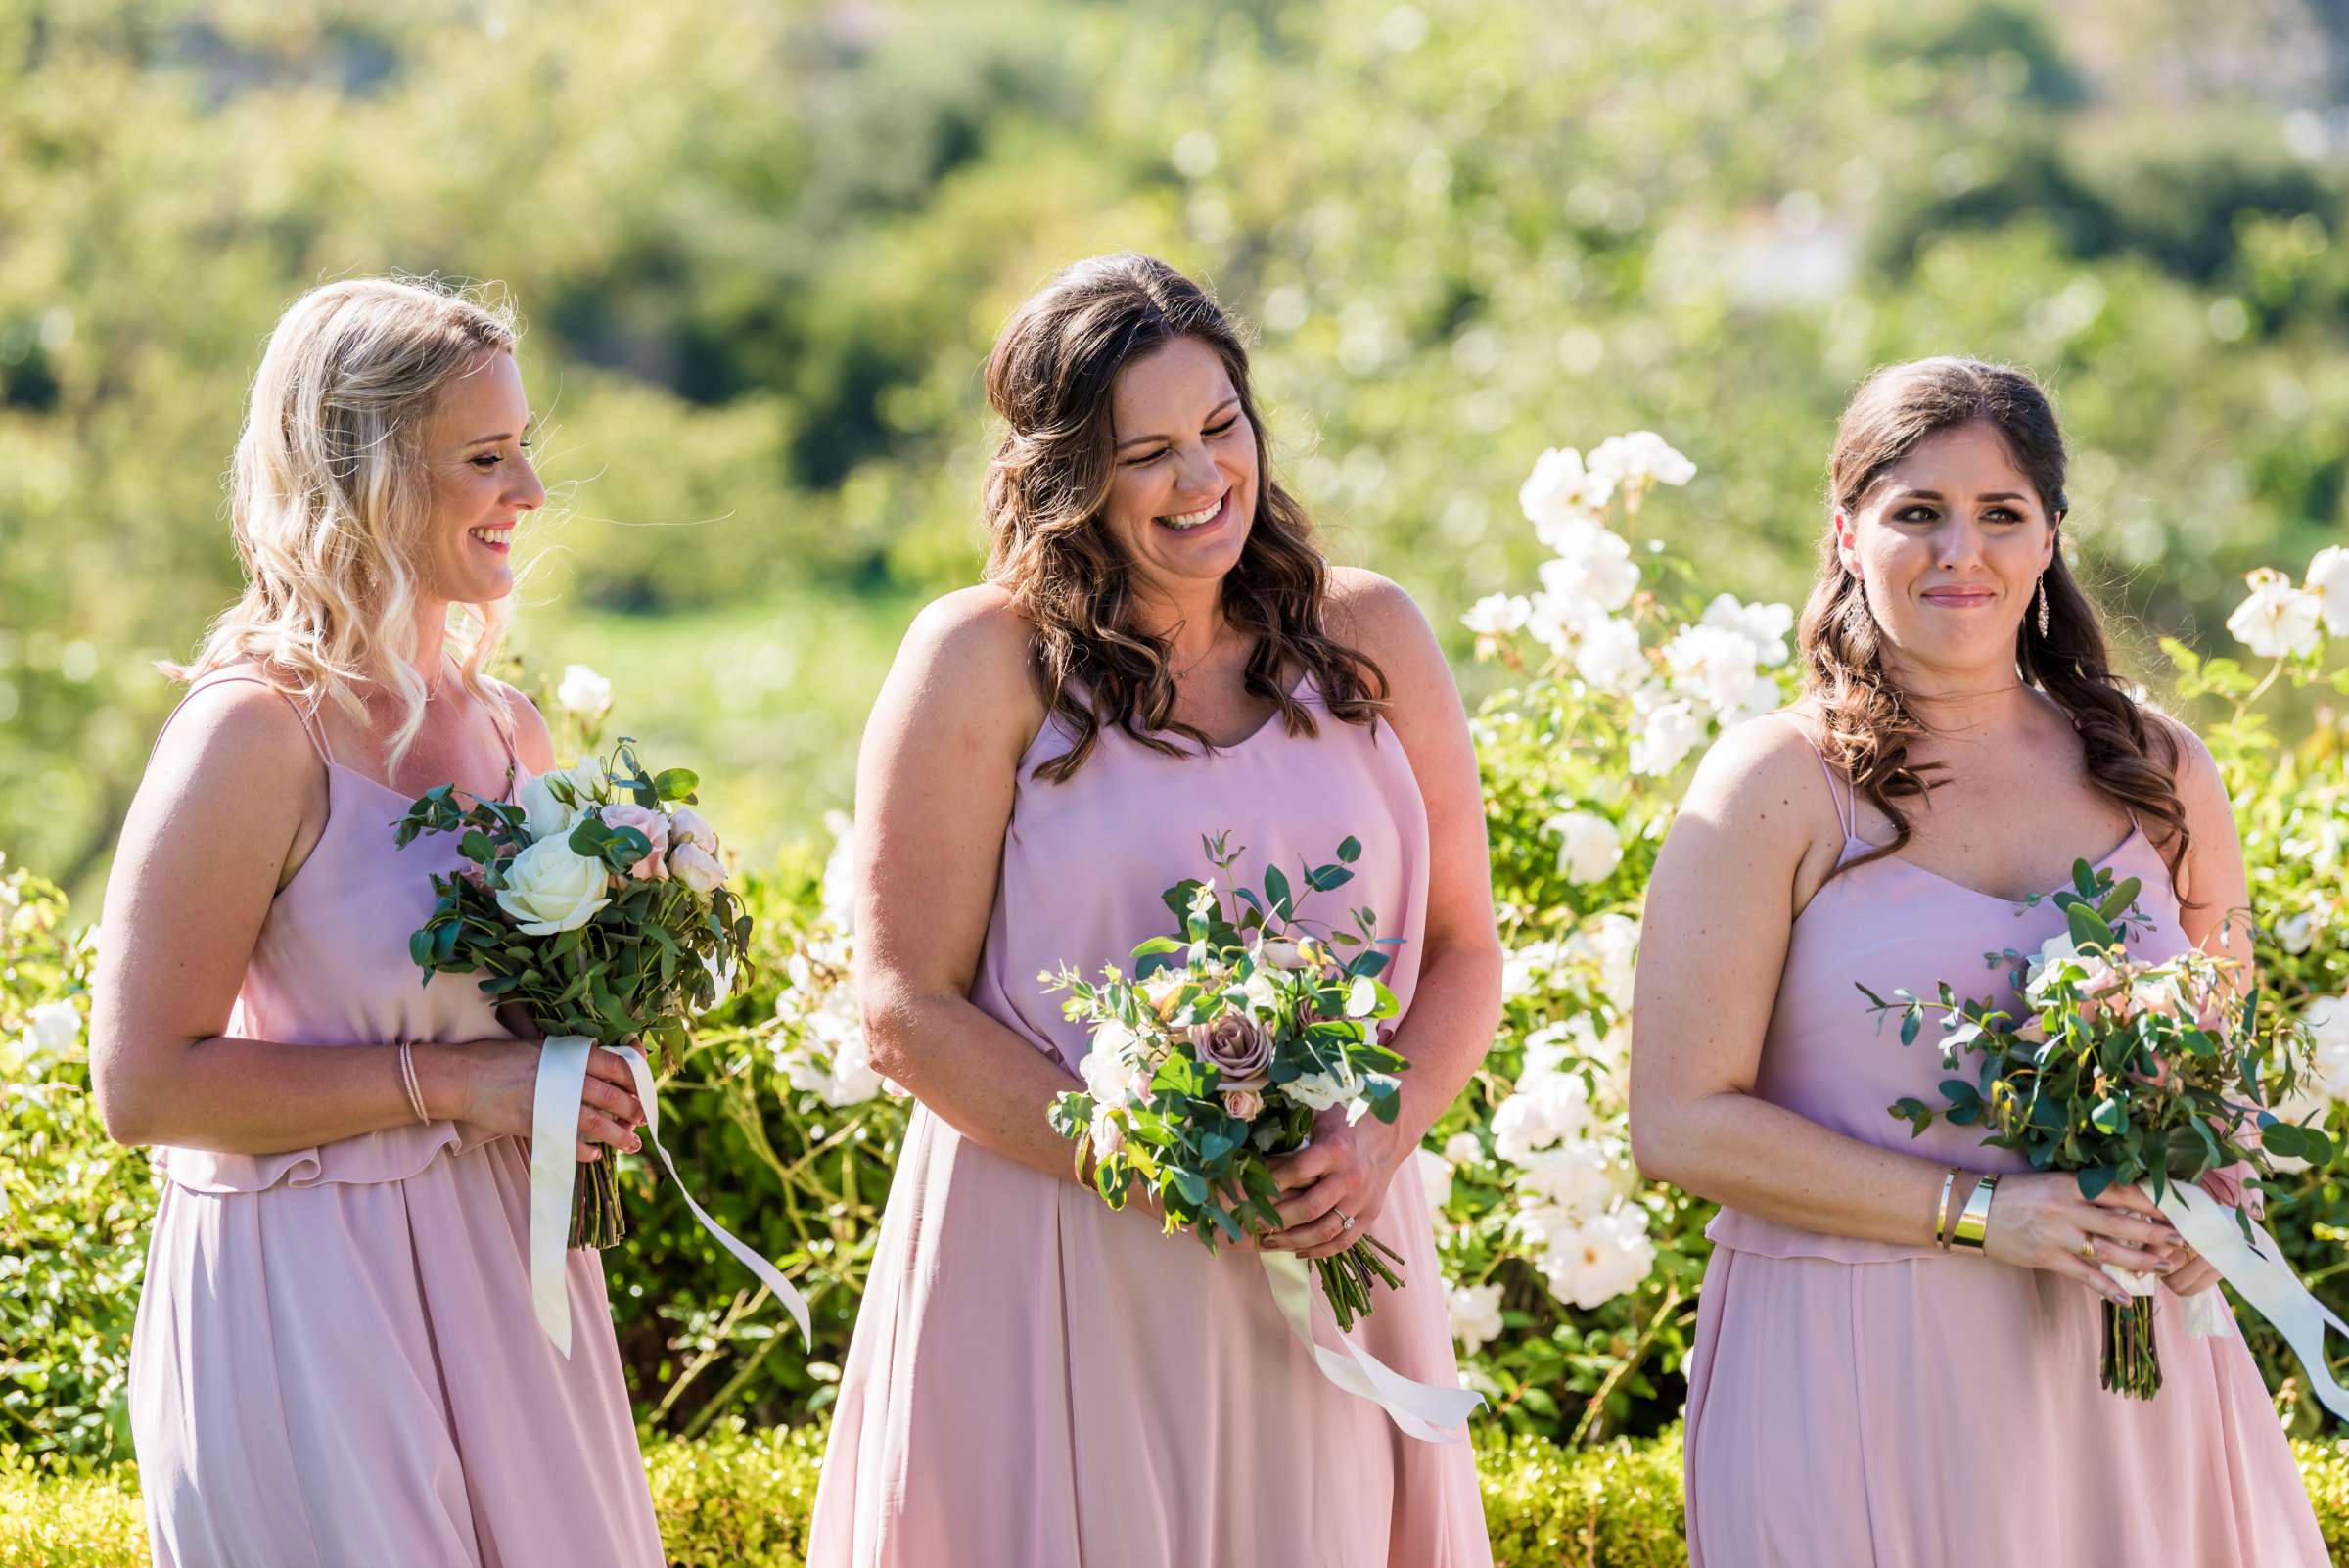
{"type": "Point", "coordinates": [2132, 1369]}
{"type": "Point", "coordinates": [1347, 1277]}
{"type": "Point", "coordinates": [595, 1218]}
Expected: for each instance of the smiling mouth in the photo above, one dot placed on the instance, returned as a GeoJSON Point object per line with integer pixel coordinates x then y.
{"type": "Point", "coordinates": [1961, 598]}
{"type": "Point", "coordinates": [498, 537]}
{"type": "Point", "coordinates": [1186, 522]}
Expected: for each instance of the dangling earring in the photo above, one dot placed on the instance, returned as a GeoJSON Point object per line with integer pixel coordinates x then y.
{"type": "Point", "coordinates": [2043, 607]}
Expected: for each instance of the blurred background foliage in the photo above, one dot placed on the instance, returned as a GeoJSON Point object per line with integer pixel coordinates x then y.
{"type": "Point", "coordinates": [762, 249]}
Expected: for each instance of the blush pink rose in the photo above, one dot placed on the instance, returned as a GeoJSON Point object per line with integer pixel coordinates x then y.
{"type": "Point", "coordinates": [1246, 1104]}
{"type": "Point", "coordinates": [1238, 1048]}
{"type": "Point", "coordinates": [654, 826]}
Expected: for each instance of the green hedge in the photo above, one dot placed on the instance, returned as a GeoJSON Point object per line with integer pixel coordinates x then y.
{"type": "Point", "coordinates": [740, 1498]}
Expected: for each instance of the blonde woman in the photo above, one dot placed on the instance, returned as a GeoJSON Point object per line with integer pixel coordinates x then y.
{"type": "Point", "coordinates": [336, 1361]}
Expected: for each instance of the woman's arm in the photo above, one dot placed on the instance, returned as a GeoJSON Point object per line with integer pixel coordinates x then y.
{"type": "Point", "coordinates": [935, 781]}
{"type": "Point", "coordinates": [1719, 910]}
{"type": "Point", "coordinates": [233, 790]}
{"type": "Point", "coordinates": [1455, 1004]}
{"type": "Point", "coordinates": [2219, 923]}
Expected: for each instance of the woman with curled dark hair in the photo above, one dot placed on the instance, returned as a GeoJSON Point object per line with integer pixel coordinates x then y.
{"type": "Point", "coordinates": [1871, 1381]}
{"type": "Point", "coordinates": [1159, 652]}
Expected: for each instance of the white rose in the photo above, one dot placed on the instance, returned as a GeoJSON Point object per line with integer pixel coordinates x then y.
{"type": "Point", "coordinates": [1762, 697]}
{"type": "Point", "coordinates": [1591, 1261]}
{"type": "Point", "coordinates": [2296, 933]}
{"type": "Point", "coordinates": [1435, 1176]}
{"type": "Point", "coordinates": [2328, 585]}
{"type": "Point", "coordinates": [1543, 1109]}
{"type": "Point", "coordinates": [550, 889]}
{"type": "Point", "coordinates": [1589, 847]}
{"type": "Point", "coordinates": [1610, 658]}
{"type": "Point", "coordinates": [1475, 1314]}
{"type": "Point", "coordinates": [1577, 1177]}
{"type": "Point", "coordinates": [1612, 943]}
{"type": "Point", "coordinates": [54, 1024]}
{"type": "Point", "coordinates": [696, 867]}
{"type": "Point", "coordinates": [1496, 615]}
{"type": "Point", "coordinates": [1560, 489]}
{"type": "Point", "coordinates": [1109, 1134]}
{"type": "Point", "coordinates": [1671, 733]}
{"type": "Point", "coordinates": [544, 815]}
{"type": "Point", "coordinates": [1639, 459]}
{"type": "Point", "coordinates": [1765, 626]}
{"type": "Point", "coordinates": [1462, 1148]}
{"type": "Point", "coordinates": [1710, 665]}
{"type": "Point", "coordinates": [2277, 621]}
{"type": "Point", "coordinates": [1318, 1091]}
{"type": "Point", "coordinates": [583, 693]}
{"type": "Point", "coordinates": [839, 888]}
{"type": "Point", "coordinates": [1106, 1077]}
{"type": "Point", "coordinates": [1598, 575]}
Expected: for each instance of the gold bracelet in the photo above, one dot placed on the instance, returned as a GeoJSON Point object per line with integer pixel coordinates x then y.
{"type": "Point", "coordinates": [409, 1081]}
{"type": "Point", "coordinates": [1973, 1226]}
{"type": "Point", "coordinates": [1941, 1210]}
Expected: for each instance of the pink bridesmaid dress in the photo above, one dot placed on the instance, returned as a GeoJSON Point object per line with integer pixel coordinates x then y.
{"type": "Point", "coordinates": [336, 1361]}
{"type": "Point", "coordinates": [1858, 1402]}
{"type": "Point", "coordinates": [1038, 1381]}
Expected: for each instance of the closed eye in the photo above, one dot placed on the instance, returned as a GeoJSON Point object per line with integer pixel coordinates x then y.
{"type": "Point", "coordinates": [1212, 433]}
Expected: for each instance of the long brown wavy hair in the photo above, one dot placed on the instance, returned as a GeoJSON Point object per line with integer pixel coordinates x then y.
{"type": "Point", "coordinates": [1049, 378]}
{"type": "Point", "coordinates": [1868, 721]}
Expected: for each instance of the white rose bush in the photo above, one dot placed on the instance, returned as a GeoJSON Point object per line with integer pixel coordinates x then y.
{"type": "Point", "coordinates": [1573, 1283]}
{"type": "Point", "coordinates": [596, 903]}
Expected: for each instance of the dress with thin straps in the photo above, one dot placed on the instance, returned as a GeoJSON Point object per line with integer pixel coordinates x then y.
{"type": "Point", "coordinates": [1038, 1381]}
{"type": "Point", "coordinates": [336, 1361]}
{"type": "Point", "coordinates": [1862, 1402]}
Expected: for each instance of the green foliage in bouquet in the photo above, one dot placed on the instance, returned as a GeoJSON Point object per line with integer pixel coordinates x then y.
{"type": "Point", "coordinates": [1219, 1051]}
{"type": "Point", "coordinates": [2122, 1071]}
{"type": "Point", "coordinates": [567, 914]}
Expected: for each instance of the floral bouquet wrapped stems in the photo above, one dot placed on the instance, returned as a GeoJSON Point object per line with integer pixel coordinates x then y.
{"type": "Point", "coordinates": [2126, 1072]}
{"type": "Point", "coordinates": [1215, 1057]}
{"type": "Point", "coordinates": [597, 904]}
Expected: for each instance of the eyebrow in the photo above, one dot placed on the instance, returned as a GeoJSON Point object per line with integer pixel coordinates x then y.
{"type": "Point", "coordinates": [1136, 440]}
{"type": "Point", "coordinates": [501, 436]}
{"type": "Point", "coordinates": [1935, 495]}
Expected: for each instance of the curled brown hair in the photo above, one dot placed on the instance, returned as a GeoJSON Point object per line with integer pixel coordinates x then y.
{"type": "Point", "coordinates": [1049, 378]}
{"type": "Point", "coordinates": [1868, 721]}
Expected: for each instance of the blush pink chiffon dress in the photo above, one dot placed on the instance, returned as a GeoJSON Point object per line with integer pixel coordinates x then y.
{"type": "Point", "coordinates": [336, 1362]}
{"type": "Point", "coordinates": [1873, 1406]}
{"type": "Point", "coordinates": [1038, 1381]}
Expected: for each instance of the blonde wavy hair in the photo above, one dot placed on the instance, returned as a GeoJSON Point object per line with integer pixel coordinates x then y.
{"type": "Point", "coordinates": [330, 504]}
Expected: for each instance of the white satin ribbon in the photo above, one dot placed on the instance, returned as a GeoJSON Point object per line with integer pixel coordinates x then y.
{"type": "Point", "coordinates": [1422, 1411]}
{"type": "Point", "coordinates": [554, 1167]}
{"type": "Point", "coordinates": [2259, 1274]}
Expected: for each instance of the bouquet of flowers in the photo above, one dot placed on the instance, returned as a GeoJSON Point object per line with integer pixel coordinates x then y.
{"type": "Point", "coordinates": [1215, 1057]}
{"type": "Point", "coordinates": [595, 903]}
{"type": "Point", "coordinates": [2121, 1072]}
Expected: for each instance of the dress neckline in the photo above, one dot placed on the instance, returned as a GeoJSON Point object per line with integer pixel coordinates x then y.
{"type": "Point", "coordinates": [1854, 841]}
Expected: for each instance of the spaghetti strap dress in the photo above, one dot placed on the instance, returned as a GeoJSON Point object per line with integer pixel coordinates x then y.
{"type": "Point", "coordinates": [1038, 1381]}
{"type": "Point", "coordinates": [1875, 1406]}
{"type": "Point", "coordinates": [336, 1362]}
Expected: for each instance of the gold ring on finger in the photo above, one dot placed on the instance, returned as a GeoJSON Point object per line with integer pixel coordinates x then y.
{"type": "Point", "coordinates": [2088, 1248]}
